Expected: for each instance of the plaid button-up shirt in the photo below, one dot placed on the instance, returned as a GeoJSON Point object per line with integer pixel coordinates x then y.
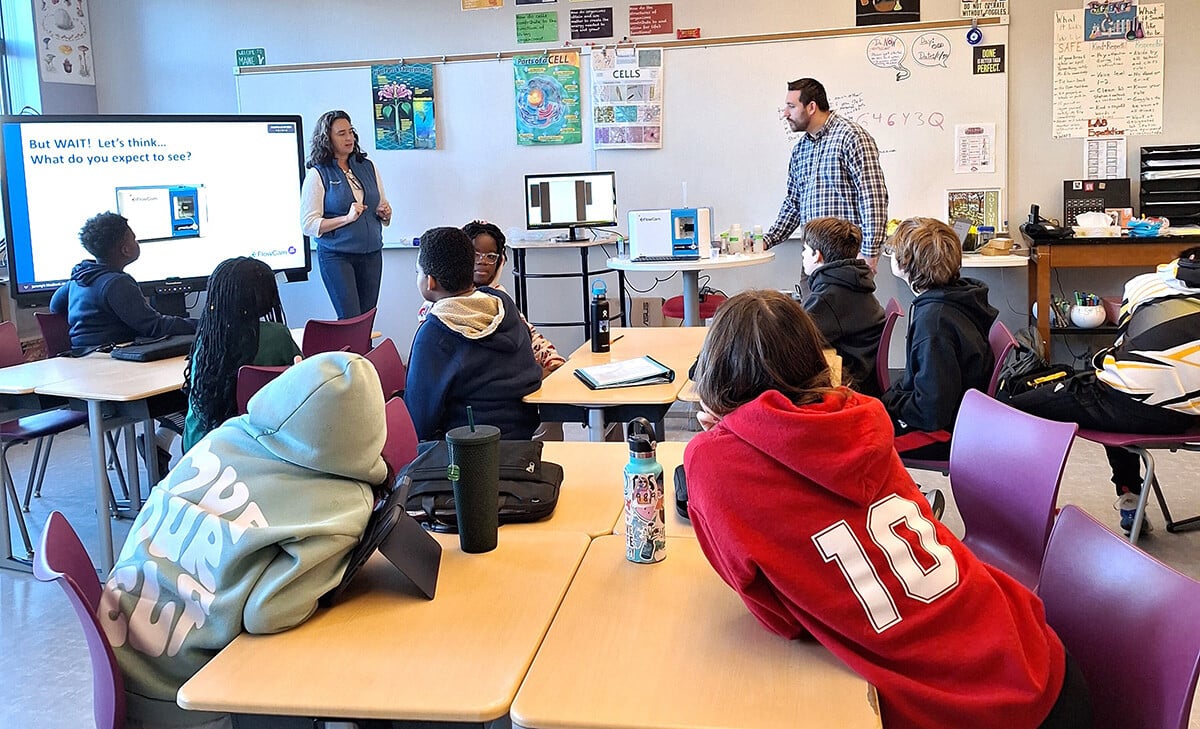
{"type": "Point", "coordinates": [835, 172]}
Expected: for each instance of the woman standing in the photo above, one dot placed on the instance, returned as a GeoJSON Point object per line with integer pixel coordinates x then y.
{"type": "Point", "coordinates": [344, 209]}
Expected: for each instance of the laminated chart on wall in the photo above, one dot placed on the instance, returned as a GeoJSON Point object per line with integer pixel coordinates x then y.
{"type": "Point", "coordinates": [402, 96]}
{"type": "Point", "coordinates": [1119, 82]}
{"type": "Point", "coordinates": [547, 98]}
{"type": "Point", "coordinates": [64, 39]}
{"type": "Point", "coordinates": [627, 98]}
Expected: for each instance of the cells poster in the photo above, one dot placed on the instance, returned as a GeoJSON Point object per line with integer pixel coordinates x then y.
{"type": "Point", "coordinates": [547, 98]}
{"type": "Point", "coordinates": [627, 98]}
{"type": "Point", "coordinates": [402, 96]}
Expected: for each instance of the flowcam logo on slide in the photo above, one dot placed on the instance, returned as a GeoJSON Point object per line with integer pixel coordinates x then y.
{"type": "Point", "coordinates": [274, 252]}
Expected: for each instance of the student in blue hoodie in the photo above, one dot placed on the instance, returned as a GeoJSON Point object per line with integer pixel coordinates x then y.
{"type": "Point", "coordinates": [473, 349]}
{"type": "Point", "coordinates": [102, 303]}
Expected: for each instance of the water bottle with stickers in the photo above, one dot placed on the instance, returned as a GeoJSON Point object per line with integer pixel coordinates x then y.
{"type": "Point", "coordinates": [645, 520]}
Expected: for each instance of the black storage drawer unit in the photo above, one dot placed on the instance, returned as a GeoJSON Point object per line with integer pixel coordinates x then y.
{"type": "Point", "coordinates": [1170, 184]}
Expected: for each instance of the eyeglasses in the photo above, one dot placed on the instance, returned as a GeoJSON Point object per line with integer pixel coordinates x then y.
{"type": "Point", "coordinates": [487, 257]}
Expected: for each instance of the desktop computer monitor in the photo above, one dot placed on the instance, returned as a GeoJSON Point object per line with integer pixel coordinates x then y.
{"type": "Point", "coordinates": [195, 190]}
{"type": "Point", "coordinates": [571, 200]}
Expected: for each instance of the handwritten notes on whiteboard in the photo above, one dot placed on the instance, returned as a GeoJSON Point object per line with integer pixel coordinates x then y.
{"type": "Point", "coordinates": [1120, 81]}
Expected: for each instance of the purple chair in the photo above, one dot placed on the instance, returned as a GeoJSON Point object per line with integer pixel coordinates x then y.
{"type": "Point", "coordinates": [39, 429]}
{"type": "Point", "coordinates": [1007, 509]}
{"type": "Point", "coordinates": [393, 375]}
{"type": "Point", "coordinates": [400, 447]}
{"type": "Point", "coordinates": [891, 314]}
{"type": "Point", "coordinates": [1142, 444]}
{"type": "Point", "coordinates": [1131, 622]}
{"type": "Point", "coordinates": [1000, 341]}
{"type": "Point", "coordinates": [251, 379]}
{"type": "Point", "coordinates": [61, 558]}
{"type": "Point", "coordinates": [331, 336]}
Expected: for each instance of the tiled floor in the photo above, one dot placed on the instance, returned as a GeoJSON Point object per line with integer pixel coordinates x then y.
{"type": "Point", "coordinates": [46, 680]}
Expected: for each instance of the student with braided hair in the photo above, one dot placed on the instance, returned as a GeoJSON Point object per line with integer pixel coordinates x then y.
{"type": "Point", "coordinates": [242, 324]}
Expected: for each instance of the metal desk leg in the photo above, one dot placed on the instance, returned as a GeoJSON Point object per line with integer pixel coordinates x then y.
{"type": "Point", "coordinates": [691, 299]}
{"type": "Point", "coordinates": [100, 476]}
{"type": "Point", "coordinates": [587, 294]}
{"type": "Point", "coordinates": [519, 281]}
{"type": "Point", "coordinates": [596, 425]}
{"type": "Point", "coordinates": [621, 296]}
{"type": "Point", "coordinates": [7, 560]}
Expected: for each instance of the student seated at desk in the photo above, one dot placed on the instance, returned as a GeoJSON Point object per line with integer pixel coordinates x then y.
{"type": "Point", "coordinates": [102, 303]}
{"type": "Point", "coordinates": [842, 301]}
{"type": "Point", "coordinates": [1147, 382]}
{"type": "Point", "coordinates": [473, 348]}
{"type": "Point", "coordinates": [253, 526]}
{"type": "Point", "coordinates": [802, 505]}
{"type": "Point", "coordinates": [242, 324]}
{"type": "Point", "coordinates": [948, 351]}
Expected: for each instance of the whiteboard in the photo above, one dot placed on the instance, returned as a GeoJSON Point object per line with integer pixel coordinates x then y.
{"type": "Point", "coordinates": [722, 134]}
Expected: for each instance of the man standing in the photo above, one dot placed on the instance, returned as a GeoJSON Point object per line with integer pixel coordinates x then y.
{"type": "Point", "coordinates": [834, 171]}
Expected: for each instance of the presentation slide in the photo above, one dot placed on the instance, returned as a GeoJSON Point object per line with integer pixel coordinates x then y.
{"type": "Point", "coordinates": [194, 192]}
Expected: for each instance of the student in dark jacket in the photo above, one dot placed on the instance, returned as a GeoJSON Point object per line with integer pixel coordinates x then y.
{"type": "Point", "coordinates": [102, 303]}
{"type": "Point", "coordinates": [948, 350]}
{"type": "Point", "coordinates": [473, 348]}
{"type": "Point", "coordinates": [842, 299]}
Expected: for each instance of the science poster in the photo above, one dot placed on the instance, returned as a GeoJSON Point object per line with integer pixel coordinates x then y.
{"type": "Point", "coordinates": [547, 98]}
{"type": "Point", "coordinates": [627, 108]}
{"type": "Point", "coordinates": [402, 96]}
{"type": "Point", "coordinates": [64, 42]}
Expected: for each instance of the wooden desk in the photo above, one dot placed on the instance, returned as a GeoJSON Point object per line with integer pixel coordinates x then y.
{"type": "Point", "coordinates": [115, 388]}
{"type": "Point", "coordinates": [592, 496]}
{"type": "Point", "coordinates": [1047, 255]}
{"type": "Point", "coordinates": [669, 645]}
{"type": "Point", "coordinates": [691, 275]}
{"type": "Point", "coordinates": [387, 653]}
{"type": "Point", "coordinates": [676, 347]}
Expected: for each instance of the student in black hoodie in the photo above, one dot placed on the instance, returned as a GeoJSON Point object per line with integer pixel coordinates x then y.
{"type": "Point", "coordinates": [102, 303]}
{"type": "Point", "coordinates": [842, 299]}
{"type": "Point", "coordinates": [948, 350]}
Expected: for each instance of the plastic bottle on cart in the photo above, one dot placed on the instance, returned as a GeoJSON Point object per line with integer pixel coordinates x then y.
{"type": "Point", "coordinates": [599, 333]}
{"type": "Point", "coordinates": [645, 522]}
{"type": "Point", "coordinates": [735, 238]}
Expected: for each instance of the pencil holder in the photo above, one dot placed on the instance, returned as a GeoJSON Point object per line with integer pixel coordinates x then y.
{"type": "Point", "coordinates": [1088, 317]}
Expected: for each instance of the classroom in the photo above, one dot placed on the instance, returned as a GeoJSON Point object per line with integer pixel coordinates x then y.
{"type": "Point", "coordinates": [723, 146]}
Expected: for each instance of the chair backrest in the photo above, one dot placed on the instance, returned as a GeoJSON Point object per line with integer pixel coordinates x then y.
{"type": "Point", "coordinates": [393, 375]}
{"type": "Point", "coordinates": [330, 336]}
{"type": "Point", "coordinates": [1131, 622]}
{"type": "Point", "coordinates": [892, 313]}
{"type": "Point", "coordinates": [61, 558]}
{"type": "Point", "coordinates": [56, 331]}
{"type": "Point", "coordinates": [10, 345]}
{"type": "Point", "coordinates": [1005, 470]}
{"type": "Point", "coordinates": [1000, 341]}
{"type": "Point", "coordinates": [251, 379]}
{"type": "Point", "coordinates": [400, 447]}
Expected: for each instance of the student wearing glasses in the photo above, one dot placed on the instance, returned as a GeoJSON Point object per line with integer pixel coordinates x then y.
{"type": "Point", "coordinates": [344, 209]}
{"type": "Point", "coordinates": [472, 349]}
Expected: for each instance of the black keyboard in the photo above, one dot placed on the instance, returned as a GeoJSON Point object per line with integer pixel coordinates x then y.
{"type": "Point", "coordinates": [663, 259]}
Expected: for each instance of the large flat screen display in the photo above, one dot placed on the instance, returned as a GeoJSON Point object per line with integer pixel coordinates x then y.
{"type": "Point", "coordinates": [195, 189]}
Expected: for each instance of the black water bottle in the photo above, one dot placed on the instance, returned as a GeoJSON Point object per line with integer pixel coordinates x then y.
{"type": "Point", "coordinates": [599, 333]}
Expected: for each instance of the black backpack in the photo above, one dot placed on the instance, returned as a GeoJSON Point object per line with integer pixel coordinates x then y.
{"type": "Point", "coordinates": [1025, 366]}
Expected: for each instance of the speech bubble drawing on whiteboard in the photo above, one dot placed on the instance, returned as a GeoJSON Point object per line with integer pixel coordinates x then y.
{"type": "Point", "coordinates": [887, 51]}
{"type": "Point", "coordinates": [931, 49]}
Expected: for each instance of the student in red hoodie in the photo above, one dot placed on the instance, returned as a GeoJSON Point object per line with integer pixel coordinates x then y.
{"type": "Point", "coordinates": [802, 506]}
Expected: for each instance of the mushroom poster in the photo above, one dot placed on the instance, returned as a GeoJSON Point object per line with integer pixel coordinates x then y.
{"type": "Point", "coordinates": [64, 42]}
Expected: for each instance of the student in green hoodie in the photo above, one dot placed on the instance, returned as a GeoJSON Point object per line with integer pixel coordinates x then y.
{"type": "Point", "coordinates": [253, 526]}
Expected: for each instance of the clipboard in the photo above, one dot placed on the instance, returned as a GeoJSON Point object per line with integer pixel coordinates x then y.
{"type": "Point", "coordinates": [634, 372]}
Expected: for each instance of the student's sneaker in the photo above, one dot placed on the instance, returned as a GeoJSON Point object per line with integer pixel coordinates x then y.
{"type": "Point", "coordinates": [1127, 506]}
{"type": "Point", "coordinates": [937, 502]}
